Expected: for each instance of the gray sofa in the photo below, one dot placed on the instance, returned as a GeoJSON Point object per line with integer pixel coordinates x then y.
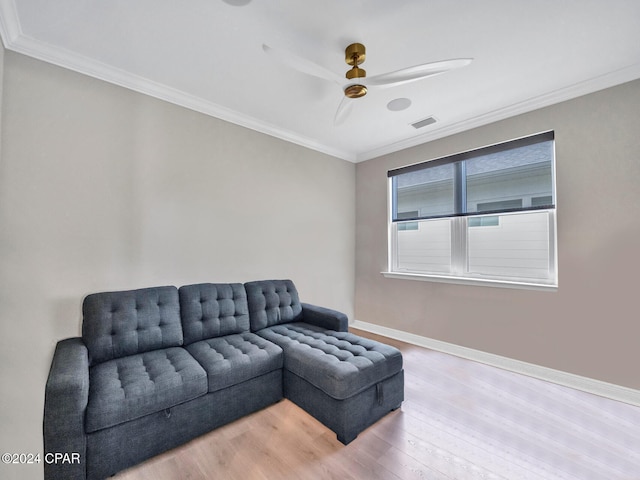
{"type": "Point", "coordinates": [157, 367]}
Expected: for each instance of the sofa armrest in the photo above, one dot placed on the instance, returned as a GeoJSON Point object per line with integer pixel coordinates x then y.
{"type": "Point", "coordinates": [65, 402]}
{"type": "Point", "coordinates": [325, 318]}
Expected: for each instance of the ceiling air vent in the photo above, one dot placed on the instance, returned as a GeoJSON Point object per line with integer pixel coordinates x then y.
{"type": "Point", "coordinates": [423, 123]}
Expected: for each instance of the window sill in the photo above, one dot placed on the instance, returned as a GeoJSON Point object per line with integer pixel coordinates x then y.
{"type": "Point", "coordinates": [471, 281]}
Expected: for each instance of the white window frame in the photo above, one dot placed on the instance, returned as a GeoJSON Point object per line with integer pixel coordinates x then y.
{"type": "Point", "coordinates": [459, 250]}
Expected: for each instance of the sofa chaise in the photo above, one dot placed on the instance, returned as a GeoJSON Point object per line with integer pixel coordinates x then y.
{"type": "Point", "coordinates": [157, 367]}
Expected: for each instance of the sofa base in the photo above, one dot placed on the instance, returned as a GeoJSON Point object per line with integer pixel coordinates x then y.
{"type": "Point", "coordinates": [122, 446]}
{"type": "Point", "coordinates": [348, 417]}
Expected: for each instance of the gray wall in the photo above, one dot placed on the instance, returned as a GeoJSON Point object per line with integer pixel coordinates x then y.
{"type": "Point", "coordinates": [588, 327]}
{"type": "Point", "coordinates": [102, 188]}
{"type": "Point", "coordinates": [2, 53]}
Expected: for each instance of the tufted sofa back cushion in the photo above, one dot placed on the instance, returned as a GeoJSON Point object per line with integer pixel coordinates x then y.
{"type": "Point", "coordinates": [213, 310]}
{"type": "Point", "coordinates": [272, 302]}
{"type": "Point", "coordinates": [118, 324]}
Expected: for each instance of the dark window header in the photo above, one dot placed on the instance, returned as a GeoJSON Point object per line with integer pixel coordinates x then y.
{"type": "Point", "coordinates": [479, 152]}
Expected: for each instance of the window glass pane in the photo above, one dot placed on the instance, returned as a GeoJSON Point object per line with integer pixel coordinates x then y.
{"type": "Point", "coordinates": [408, 214]}
{"type": "Point", "coordinates": [518, 247]}
{"type": "Point", "coordinates": [425, 249]}
{"type": "Point", "coordinates": [493, 221]}
{"type": "Point", "coordinates": [499, 205]}
{"type": "Point", "coordinates": [544, 201]}
{"type": "Point", "coordinates": [429, 192]}
{"type": "Point", "coordinates": [408, 226]}
{"type": "Point", "coordinates": [510, 179]}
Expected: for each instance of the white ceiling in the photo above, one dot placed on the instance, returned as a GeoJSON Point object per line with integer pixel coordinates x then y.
{"type": "Point", "coordinates": [207, 55]}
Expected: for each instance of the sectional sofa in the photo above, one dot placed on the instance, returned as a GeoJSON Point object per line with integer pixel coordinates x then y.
{"type": "Point", "coordinates": [159, 366]}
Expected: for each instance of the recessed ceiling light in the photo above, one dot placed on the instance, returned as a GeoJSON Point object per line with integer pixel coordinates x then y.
{"type": "Point", "coordinates": [237, 3]}
{"type": "Point", "coordinates": [399, 104]}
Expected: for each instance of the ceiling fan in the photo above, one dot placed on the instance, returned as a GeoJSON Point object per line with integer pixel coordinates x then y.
{"type": "Point", "coordinates": [358, 84]}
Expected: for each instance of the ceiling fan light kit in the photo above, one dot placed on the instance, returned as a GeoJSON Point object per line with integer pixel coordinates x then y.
{"type": "Point", "coordinates": [355, 91]}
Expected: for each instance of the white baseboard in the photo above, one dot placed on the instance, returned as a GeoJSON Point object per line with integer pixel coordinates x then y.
{"type": "Point", "coordinates": [589, 385]}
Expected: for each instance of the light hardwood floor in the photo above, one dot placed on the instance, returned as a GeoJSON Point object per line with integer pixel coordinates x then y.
{"type": "Point", "coordinates": [460, 420]}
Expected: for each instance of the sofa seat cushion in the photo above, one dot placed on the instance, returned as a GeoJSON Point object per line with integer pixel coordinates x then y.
{"type": "Point", "coordinates": [233, 359]}
{"type": "Point", "coordinates": [340, 364]}
{"type": "Point", "coordinates": [131, 387]}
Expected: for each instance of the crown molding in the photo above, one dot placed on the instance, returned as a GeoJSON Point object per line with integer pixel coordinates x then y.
{"type": "Point", "coordinates": [14, 39]}
{"type": "Point", "coordinates": [10, 28]}
{"type": "Point", "coordinates": [585, 87]}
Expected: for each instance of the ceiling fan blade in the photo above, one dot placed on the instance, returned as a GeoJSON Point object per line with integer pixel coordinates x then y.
{"type": "Point", "coordinates": [343, 111]}
{"type": "Point", "coordinates": [417, 72]}
{"type": "Point", "coordinates": [301, 64]}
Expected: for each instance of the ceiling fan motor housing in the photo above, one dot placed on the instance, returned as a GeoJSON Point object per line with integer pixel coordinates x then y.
{"type": "Point", "coordinates": [354, 55]}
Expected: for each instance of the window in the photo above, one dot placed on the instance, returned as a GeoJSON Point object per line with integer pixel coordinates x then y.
{"type": "Point", "coordinates": [487, 215]}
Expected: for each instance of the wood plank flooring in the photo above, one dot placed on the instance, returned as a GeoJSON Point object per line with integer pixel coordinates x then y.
{"type": "Point", "coordinates": [460, 420]}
